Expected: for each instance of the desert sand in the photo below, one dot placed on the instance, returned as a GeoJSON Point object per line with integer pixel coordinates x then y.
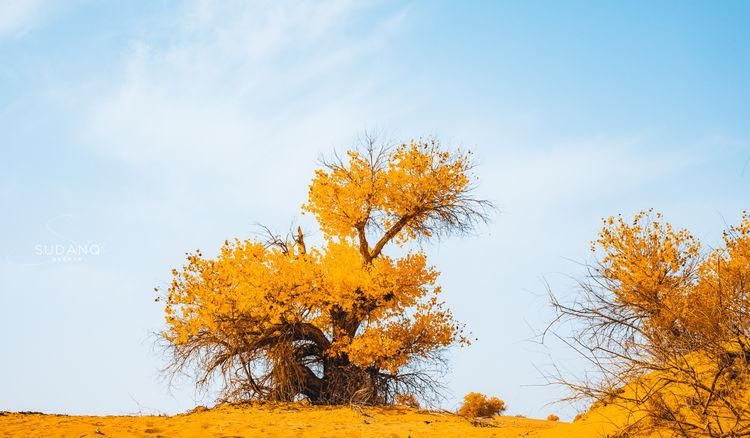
{"type": "Point", "coordinates": [292, 420]}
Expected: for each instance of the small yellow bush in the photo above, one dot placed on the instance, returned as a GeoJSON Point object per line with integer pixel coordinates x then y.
{"type": "Point", "coordinates": [409, 400]}
{"type": "Point", "coordinates": [553, 417]}
{"type": "Point", "coordinates": [479, 405]}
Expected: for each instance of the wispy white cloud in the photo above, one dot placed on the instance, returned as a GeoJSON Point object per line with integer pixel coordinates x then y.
{"type": "Point", "coordinates": [238, 82]}
{"type": "Point", "coordinates": [239, 88]}
{"type": "Point", "coordinates": [20, 16]}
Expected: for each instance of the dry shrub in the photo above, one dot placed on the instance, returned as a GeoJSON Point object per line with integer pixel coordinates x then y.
{"type": "Point", "coordinates": [479, 405]}
{"type": "Point", "coordinates": [553, 417]}
{"type": "Point", "coordinates": [408, 400]}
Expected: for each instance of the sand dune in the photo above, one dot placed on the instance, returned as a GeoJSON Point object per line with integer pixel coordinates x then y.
{"type": "Point", "coordinates": [290, 420]}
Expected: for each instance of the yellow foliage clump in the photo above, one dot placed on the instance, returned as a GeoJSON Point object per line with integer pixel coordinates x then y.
{"type": "Point", "coordinates": [479, 405]}
{"type": "Point", "coordinates": [648, 260]}
{"type": "Point", "coordinates": [678, 293]}
{"type": "Point", "coordinates": [407, 192]}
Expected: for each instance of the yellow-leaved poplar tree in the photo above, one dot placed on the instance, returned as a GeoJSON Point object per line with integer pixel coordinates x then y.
{"type": "Point", "coordinates": [666, 326]}
{"type": "Point", "coordinates": [343, 322]}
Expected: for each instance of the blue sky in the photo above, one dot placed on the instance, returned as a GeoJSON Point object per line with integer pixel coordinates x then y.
{"type": "Point", "coordinates": [137, 131]}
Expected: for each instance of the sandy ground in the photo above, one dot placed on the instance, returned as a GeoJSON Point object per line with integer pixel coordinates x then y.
{"type": "Point", "coordinates": [290, 421]}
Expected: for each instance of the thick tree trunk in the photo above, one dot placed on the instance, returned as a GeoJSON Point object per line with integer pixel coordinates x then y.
{"type": "Point", "coordinates": [295, 348]}
{"type": "Point", "coordinates": [344, 384]}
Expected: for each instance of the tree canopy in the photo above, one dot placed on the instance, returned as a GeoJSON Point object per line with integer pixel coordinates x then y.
{"type": "Point", "coordinates": [343, 322]}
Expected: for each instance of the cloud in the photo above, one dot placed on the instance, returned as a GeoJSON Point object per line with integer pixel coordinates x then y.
{"type": "Point", "coordinates": [20, 16]}
{"type": "Point", "coordinates": [236, 89]}
{"type": "Point", "coordinates": [237, 82]}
